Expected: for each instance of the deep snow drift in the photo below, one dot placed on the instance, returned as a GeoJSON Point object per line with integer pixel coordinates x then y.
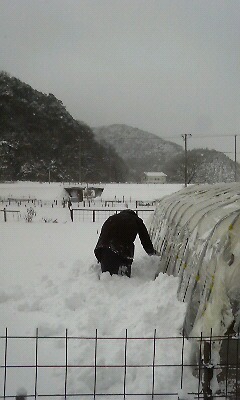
{"type": "Point", "coordinates": [49, 280]}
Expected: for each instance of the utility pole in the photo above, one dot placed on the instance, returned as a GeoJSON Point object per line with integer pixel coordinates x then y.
{"type": "Point", "coordinates": [109, 164]}
{"type": "Point", "coordinates": [185, 137]}
{"type": "Point", "coordinates": [80, 159]}
{"type": "Point", "coordinates": [235, 157]}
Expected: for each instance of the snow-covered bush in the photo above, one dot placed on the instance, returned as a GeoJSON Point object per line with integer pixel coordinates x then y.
{"type": "Point", "coordinates": [30, 214]}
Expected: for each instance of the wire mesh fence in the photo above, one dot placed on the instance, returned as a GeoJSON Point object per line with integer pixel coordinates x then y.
{"type": "Point", "coordinates": [139, 372]}
{"type": "Point", "coordinates": [100, 215]}
{"type": "Point", "coordinates": [9, 215]}
{"type": "Point", "coordinates": [89, 211]}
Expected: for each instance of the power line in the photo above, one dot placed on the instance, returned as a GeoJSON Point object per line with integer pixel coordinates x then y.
{"type": "Point", "coordinates": [199, 136]}
{"type": "Point", "coordinates": [180, 136]}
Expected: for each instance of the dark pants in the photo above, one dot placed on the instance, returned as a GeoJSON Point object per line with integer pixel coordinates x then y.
{"type": "Point", "coordinates": [114, 263]}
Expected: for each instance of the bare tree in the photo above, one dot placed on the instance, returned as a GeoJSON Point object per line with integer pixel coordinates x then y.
{"type": "Point", "coordinates": [175, 169]}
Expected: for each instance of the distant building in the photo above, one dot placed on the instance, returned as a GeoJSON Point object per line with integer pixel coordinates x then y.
{"type": "Point", "coordinates": [154, 177]}
{"type": "Point", "coordinates": [76, 193]}
{"type": "Point", "coordinates": [98, 191]}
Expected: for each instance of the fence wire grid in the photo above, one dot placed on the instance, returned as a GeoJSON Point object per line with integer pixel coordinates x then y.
{"type": "Point", "coordinates": [100, 215]}
{"type": "Point", "coordinates": [36, 370]}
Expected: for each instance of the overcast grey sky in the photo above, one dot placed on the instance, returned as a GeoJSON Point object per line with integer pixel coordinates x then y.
{"type": "Point", "coordinates": [166, 66]}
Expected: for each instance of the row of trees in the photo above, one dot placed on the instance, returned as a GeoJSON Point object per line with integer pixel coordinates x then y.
{"type": "Point", "coordinates": [202, 166]}
{"type": "Point", "coordinates": [39, 138]}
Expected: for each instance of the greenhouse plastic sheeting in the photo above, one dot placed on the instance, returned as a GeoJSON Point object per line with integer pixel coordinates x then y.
{"type": "Point", "coordinates": [197, 233]}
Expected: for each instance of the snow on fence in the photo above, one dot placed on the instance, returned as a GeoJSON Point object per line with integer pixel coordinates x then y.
{"type": "Point", "coordinates": [75, 214]}
{"type": "Point", "coordinates": [85, 203]}
{"type": "Point", "coordinates": [90, 211]}
{"type": "Point", "coordinates": [6, 215]}
{"type": "Point", "coordinates": [152, 379]}
{"type": "Point", "coordinates": [197, 233]}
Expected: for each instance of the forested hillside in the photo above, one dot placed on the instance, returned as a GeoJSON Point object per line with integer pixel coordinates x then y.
{"type": "Point", "coordinates": [39, 135]}
{"type": "Point", "coordinates": [203, 166]}
{"type": "Point", "coordinates": [143, 151]}
{"type": "Point", "coordinates": [40, 139]}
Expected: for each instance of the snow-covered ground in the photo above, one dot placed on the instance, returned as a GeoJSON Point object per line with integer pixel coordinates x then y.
{"type": "Point", "coordinates": [139, 191]}
{"type": "Point", "coordinates": [33, 190]}
{"type": "Point", "coordinates": [112, 191]}
{"type": "Point", "coordinates": [49, 280]}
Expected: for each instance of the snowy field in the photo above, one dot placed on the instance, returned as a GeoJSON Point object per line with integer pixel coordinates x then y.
{"type": "Point", "coordinates": [49, 280]}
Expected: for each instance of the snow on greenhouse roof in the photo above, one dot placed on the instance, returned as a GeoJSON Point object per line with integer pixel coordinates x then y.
{"type": "Point", "coordinates": [197, 235]}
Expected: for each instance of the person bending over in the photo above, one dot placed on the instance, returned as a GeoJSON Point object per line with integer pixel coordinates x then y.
{"type": "Point", "coordinates": [115, 247]}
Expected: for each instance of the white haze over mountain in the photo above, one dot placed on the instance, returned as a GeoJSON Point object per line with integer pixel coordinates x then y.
{"type": "Point", "coordinates": [169, 67]}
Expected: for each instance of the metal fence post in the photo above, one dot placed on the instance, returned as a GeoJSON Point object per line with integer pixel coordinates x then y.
{"type": "Point", "coordinates": [199, 365]}
{"type": "Point", "coordinates": [125, 365]}
{"type": "Point", "coordinates": [153, 364]}
{"type": "Point", "coordinates": [227, 368]}
{"type": "Point", "coordinates": [66, 365]}
{"type": "Point", "coordinates": [95, 366]}
{"type": "Point", "coordinates": [207, 370]}
{"type": "Point", "coordinates": [182, 360]}
{"type": "Point", "coordinates": [36, 365]}
{"type": "Point", "coordinates": [5, 365]}
{"type": "Point", "coordinates": [237, 366]}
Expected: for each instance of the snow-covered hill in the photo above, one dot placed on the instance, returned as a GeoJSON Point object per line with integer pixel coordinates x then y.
{"type": "Point", "coordinates": [143, 151]}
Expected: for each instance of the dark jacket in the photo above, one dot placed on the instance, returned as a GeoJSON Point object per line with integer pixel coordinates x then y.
{"type": "Point", "coordinates": [119, 232]}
